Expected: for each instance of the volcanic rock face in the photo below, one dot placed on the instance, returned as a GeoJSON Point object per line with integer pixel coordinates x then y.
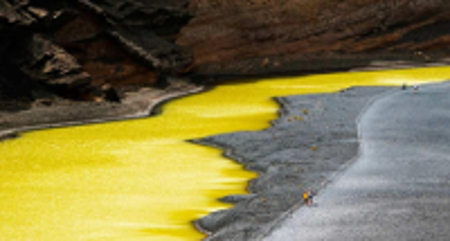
{"type": "Point", "coordinates": [140, 27]}
{"type": "Point", "coordinates": [50, 64]}
{"type": "Point", "coordinates": [74, 47]}
{"type": "Point", "coordinates": [91, 43]}
{"type": "Point", "coordinates": [238, 30]}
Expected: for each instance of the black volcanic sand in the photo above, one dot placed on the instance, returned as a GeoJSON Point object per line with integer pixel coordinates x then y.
{"type": "Point", "coordinates": [294, 155]}
{"type": "Point", "coordinates": [398, 189]}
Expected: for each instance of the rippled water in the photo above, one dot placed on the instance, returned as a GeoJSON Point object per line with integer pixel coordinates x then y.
{"type": "Point", "coordinates": [140, 179]}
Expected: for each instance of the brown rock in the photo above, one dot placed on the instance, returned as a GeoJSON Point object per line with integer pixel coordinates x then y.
{"type": "Point", "coordinates": [43, 60]}
{"type": "Point", "coordinates": [83, 27]}
{"type": "Point", "coordinates": [38, 12]}
{"type": "Point", "coordinates": [226, 32]}
{"type": "Point", "coordinates": [71, 81]}
{"type": "Point", "coordinates": [44, 102]}
{"type": "Point", "coordinates": [265, 62]}
{"type": "Point", "coordinates": [13, 15]}
{"type": "Point", "coordinates": [110, 94]}
{"type": "Point", "coordinates": [50, 65]}
{"type": "Point", "coordinates": [145, 29]}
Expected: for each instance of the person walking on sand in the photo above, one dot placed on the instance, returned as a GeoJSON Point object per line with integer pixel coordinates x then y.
{"type": "Point", "coordinates": [416, 89]}
{"type": "Point", "coordinates": [306, 197]}
{"type": "Point", "coordinates": [310, 197]}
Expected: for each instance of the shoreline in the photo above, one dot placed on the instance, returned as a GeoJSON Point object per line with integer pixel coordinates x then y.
{"type": "Point", "coordinates": [259, 211]}
{"type": "Point", "coordinates": [107, 112]}
{"type": "Point", "coordinates": [233, 224]}
{"type": "Point", "coordinates": [148, 102]}
{"type": "Point", "coordinates": [391, 147]}
{"type": "Point", "coordinates": [276, 223]}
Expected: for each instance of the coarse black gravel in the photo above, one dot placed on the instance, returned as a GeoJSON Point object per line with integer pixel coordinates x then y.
{"type": "Point", "coordinates": [314, 137]}
{"type": "Point", "coordinates": [399, 188]}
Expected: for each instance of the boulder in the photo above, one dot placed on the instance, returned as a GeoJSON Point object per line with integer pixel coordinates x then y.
{"type": "Point", "coordinates": [43, 61]}
{"type": "Point", "coordinates": [144, 44]}
{"type": "Point", "coordinates": [12, 15]}
{"type": "Point", "coordinates": [145, 29]}
{"type": "Point", "coordinates": [110, 94]}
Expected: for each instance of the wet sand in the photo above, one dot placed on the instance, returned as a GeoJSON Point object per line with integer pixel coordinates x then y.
{"type": "Point", "coordinates": [313, 139]}
{"type": "Point", "coordinates": [398, 188]}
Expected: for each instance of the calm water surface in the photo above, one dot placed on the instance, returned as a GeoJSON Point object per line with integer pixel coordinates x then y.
{"type": "Point", "coordinates": [140, 179]}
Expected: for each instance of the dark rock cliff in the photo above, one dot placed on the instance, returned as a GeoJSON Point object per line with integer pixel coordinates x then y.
{"type": "Point", "coordinates": [248, 36]}
{"type": "Point", "coordinates": [74, 47]}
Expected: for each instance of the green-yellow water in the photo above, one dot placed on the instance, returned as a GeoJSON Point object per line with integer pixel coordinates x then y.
{"type": "Point", "coordinates": [139, 179]}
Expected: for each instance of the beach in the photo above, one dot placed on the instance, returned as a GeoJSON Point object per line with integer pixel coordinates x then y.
{"type": "Point", "coordinates": [398, 187]}
{"type": "Point", "coordinates": [314, 138]}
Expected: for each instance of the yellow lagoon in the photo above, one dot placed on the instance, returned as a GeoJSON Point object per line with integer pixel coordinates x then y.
{"type": "Point", "coordinates": [140, 179]}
